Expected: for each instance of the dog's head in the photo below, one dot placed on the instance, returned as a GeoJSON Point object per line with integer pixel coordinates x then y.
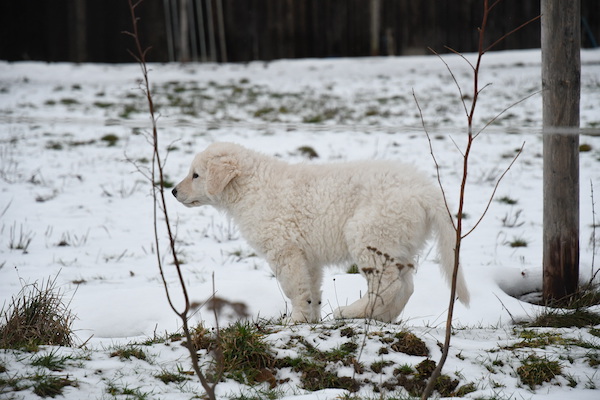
{"type": "Point", "coordinates": [210, 174]}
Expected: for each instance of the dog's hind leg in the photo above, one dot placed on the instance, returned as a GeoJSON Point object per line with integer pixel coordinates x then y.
{"type": "Point", "coordinates": [405, 291]}
{"type": "Point", "coordinates": [389, 286]}
{"type": "Point", "coordinates": [387, 294]}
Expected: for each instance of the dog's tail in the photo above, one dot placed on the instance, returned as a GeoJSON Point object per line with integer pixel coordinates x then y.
{"type": "Point", "coordinates": [446, 239]}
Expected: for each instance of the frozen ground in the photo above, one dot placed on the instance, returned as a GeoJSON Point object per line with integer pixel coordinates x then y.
{"type": "Point", "coordinates": [74, 205]}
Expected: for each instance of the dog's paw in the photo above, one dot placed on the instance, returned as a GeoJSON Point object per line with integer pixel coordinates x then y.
{"type": "Point", "coordinates": [296, 318]}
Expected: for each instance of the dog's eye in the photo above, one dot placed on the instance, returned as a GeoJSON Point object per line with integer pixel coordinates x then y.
{"type": "Point", "coordinates": [194, 176]}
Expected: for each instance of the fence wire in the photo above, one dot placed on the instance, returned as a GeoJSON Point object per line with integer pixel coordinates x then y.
{"type": "Point", "coordinates": [295, 126]}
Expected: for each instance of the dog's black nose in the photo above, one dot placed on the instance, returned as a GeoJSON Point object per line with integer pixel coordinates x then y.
{"type": "Point", "coordinates": [174, 191]}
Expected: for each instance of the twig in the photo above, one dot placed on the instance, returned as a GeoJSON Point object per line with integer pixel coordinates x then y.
{"type": "Point", "coordinates": [5, 209]}
{"type": "Point", "coordinates": [462, 98]}
{"type": "Point", "coordinates": [491, 121]}
{"type": "Point", "coordinates": [458, 54]}
{"type": "Point", "coordinates": [437, 166]}
{"type": "Point", "coordinates": [514, 321]}
{"type": "Point", "coordinates": [511, 32]}
{"type": "Point", "coordinates": [494, 191]}
{"type": "Point", "coordinates": [456, 146]}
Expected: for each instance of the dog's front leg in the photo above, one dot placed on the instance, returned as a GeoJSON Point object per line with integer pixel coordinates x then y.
{"type": "Point", "coordinates": [315, 315]}
{"type": "Point", "coordinates": [298, 292]}
{"type": "Point", "coordinates": [291, 271]}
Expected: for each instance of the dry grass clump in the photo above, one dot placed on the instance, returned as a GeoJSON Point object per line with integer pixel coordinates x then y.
{"type": "Point", "coordinates": [37, 315]}
{"type": "Point", "coordinates": [410, 344]}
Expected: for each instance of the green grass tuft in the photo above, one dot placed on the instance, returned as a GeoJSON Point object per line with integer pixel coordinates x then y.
{"type": "Point", "coordinates": [353, 269]}
{"type": "Point", "coordinates": [507, 200]}
{"type": "Point", "coordinates": [378, 366]}
{"type": "Point", "coordinates": [560, 318]}
{"type": "Point", "coordinates": [50, 361]}
{"type": "Point", "coordinates": [466, 389]}
{"type": "Point", "coordinates": [68, 101]}
{"type": "Point", "coordinates": [50, 385]}
{"type": "Point", "coordinates": [167, 377]}
{"type": "Point", "coordinates": [126, 352]}
{"type": "Point", "coordinates": [110, 139]}
{"type": "Point", "coordinates": [127, 392]}
{"type": "Point", "coordinates": [246, 357]}
{"type": "Point", "coordinates": [518, 242]}
{"type": "Point", "coordinates": [316, 376]}
{"type": "Point", "coordinates": [536, 370]}
{"type": "Point", "coordinates": [308, 152]}
{"type": "Point", "coordinates": [414, 382]}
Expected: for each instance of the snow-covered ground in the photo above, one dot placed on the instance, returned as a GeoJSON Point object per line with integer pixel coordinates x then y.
{"type": "Point", "coordinates": [73, 139]}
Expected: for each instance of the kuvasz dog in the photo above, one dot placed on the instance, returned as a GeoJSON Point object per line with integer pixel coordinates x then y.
{"type": "Point", "coordinates": [303, 217]}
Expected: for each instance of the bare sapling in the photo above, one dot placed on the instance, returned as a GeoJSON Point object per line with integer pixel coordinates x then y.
{"type": "Point", "coordinates": [593, 238]}
{"type": "Point", "coordinates": [156, 177]}
{"type": "Point", "coordinates": [591, 286]}
{"type": "Point", "coordinates": [471, 136]}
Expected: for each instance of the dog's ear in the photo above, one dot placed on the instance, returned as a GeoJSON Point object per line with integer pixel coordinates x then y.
{"type": "Point", "coordinates": [221, 170]}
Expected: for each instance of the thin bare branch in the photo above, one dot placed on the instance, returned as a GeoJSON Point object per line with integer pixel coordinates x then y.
{"type": "Point", "coordinates": [491, 121]}
{"type": "Point", "coordinates": [511, 32]}
{"type": "Point", "coordinates": [437, 166]}
{"type": "Point", "coordinates": [462, 98]}
{"type": "Point", "coordinates": [132, 54]}
{"type": "Point", "coordinates": [483, 88]}
{"type": "Point", "coordinates": [456, 146]}
{"type": "Point", "coordinates": [494, 4]}
{"type": "Point", "coordinates": [493, 195]}
{"type": "Point", "coordinates": [458, 53]}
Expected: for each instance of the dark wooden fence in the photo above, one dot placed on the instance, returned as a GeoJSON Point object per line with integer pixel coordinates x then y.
{"type": "Point", "coordinates": [243, 30]}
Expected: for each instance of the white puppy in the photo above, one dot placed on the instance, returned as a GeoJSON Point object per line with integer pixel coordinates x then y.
{"type": "Point", "coordinates": [301, 217]}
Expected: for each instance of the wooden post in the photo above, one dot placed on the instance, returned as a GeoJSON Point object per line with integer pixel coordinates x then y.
{"type": "Point", "coordinates": [561, 70]}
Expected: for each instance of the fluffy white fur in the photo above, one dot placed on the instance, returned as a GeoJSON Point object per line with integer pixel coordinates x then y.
{"type": "Point", "coordinates": [301, 217]}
